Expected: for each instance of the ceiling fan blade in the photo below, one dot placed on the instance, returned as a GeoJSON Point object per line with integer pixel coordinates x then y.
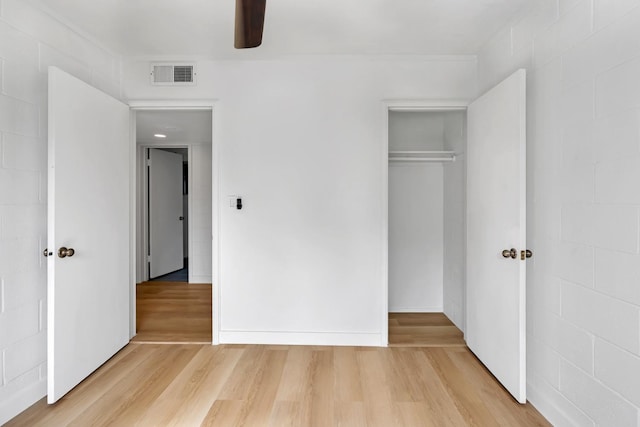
{"type": "Point", "coordinates": [249, 23]}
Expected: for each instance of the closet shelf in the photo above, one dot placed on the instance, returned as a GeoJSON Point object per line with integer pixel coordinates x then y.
{"type": "Point", "coordinates": [422, 156]}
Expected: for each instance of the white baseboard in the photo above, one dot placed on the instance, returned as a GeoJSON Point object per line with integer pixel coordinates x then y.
{"type": "Point", "coordinates": [21, 400]}
{"type": "Point", "coordinates": [438, 309]}
{"type": "Point", "coordinates": [199, 279]}
{"type": "Point", "coordinates": [301, 338]}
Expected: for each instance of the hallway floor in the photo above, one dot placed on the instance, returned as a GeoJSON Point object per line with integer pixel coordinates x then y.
{"type": "Point", "coordinates": [175, 312]}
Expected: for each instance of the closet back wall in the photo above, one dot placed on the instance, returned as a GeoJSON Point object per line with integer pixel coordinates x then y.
{"type": "Point", "coordinates": [415, 237]}
{"type": "Point", "coordinates": [416, 206]}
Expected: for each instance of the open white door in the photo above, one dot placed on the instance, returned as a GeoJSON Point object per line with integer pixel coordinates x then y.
{"type": "Point", "coordinates": [166, 232]}
{"type": "Point", "coordinates": [496, 220]}
{"type": "Point", "coordinates": [88, 211]}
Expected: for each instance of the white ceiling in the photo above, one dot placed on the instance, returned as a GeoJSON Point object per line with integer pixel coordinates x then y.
{"type": "Point", "coordinates": [180, 126]}
{"type": "Point", "coordinates": [204, 28]}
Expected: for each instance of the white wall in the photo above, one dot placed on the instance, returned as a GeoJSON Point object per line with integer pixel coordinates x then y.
{"type": "Point", "coordinates": [29, 42]}
{"type": "Point", "coordinates": [454, 207]}
{"type": "Point", "coordinates": [415, 237]}
{"type": "Point", "coordinates": [200, 193]}
{"type": "Point", "coordinates": [416, 130]}
{"type": "Point", "coordinates": [583, 60]}
{"type": "Point", "coordinates": [300, 139]}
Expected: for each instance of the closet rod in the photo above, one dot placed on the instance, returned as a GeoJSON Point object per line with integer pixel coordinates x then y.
{"type": "Point", "coordinates": [421, 159]}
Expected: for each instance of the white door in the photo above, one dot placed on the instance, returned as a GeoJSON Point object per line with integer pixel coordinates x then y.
{"type": "Point", "coordinates": [88, 211]}
{"type": "Point", "coordinates": [165, 212]}
{"type": "Point", "coordinates": [496, 220]}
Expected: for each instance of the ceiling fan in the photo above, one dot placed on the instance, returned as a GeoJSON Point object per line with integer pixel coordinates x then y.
{"type": "Point", "coordinates": [249, 23]}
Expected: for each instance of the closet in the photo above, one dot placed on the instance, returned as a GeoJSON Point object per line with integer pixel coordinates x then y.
{"type": "Point", "coordinates": [426, 184]}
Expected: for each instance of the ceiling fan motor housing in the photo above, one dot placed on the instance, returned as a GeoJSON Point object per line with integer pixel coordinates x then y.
{"type": "Point", "coordinates": [249, 23]}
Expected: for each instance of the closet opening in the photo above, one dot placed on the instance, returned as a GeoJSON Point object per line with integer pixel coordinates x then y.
{"type": "Point", "coordinates": [426, 226]}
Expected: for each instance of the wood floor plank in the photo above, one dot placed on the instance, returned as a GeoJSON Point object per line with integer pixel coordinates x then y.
{"type": "Point", "coordinates": [379, 409]}
{"type": "Point", "coordinates": [239, 384]}
{"type": "Point", "coordinates": [350, 414]}
{"type": "Point", "coordinates": [441, 404]}
{"type": "Point", "coordinates": [405, 367]}
{"type": "Point", "coordinates": [415, 414]}
{"type": "Point", "coordinates": [469, 402]}
{"type": "Point", "coordinates": [397, 383]}
{"type": "Point", "coordinates": [88, 391]}
{"type": "Point", "coordinates": [347, 384]}
{"type": "Point", "coordinates": [262, 394]}
{"type": "Point", "coordinates": [137, 391]}
{"type": "Point", "coordinates": [187, 399]}
{"type": "Point", "coordinates": [497, 398]}
{"type": "Point", "coordinates": [286, 414]}
{"type": "Point", "coordinates": [233, 385]}
{"type": "Point", "coordinates": [320, 399]}
{"type": "Point", "coordinates": [223, 413]}
{"type": "Point", "coordinates": [93, 389]}
{"type": "Point", "coordinates": [293, 383]}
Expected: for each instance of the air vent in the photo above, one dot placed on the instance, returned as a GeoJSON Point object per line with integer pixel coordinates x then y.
{"type": "Point", "coordinates": [172, 74]}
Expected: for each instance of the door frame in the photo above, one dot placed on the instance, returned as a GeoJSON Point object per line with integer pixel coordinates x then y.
{"type": "Point", "coordinates": [143, 191]}
{"type": "Point", "coordinates": [209, 105]}
{"type": "Point", "coordinates": [388, 105]}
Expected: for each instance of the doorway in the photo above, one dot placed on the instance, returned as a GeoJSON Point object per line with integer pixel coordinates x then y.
{"type": "Point", "coordinates": [167, 214]}
{"type": "Point", "coordinates": [174, 228]}
{"type": "Point", "coordinates": [494, 220]}
{"type": "Point", "coordinates": [426, 241]}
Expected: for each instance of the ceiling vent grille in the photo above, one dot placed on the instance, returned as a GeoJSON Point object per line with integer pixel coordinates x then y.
{"type": "Point", "coordinates": [172, 74]}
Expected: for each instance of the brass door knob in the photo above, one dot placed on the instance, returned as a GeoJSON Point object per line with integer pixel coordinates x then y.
{"type": "Point", "coordinates": [64, 252]}
{"type": "Point", "coordinates": [510, 253]}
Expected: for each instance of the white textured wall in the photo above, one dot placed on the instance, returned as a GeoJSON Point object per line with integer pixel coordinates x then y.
{"type": "Point", "coordinates": [454, 207]}
{"type": "Point", "coordinates": [583, 60]}
{"type": "Point", "coordinates": [301, 140]}
{"type": "Point", "coordinates": [29, 42]}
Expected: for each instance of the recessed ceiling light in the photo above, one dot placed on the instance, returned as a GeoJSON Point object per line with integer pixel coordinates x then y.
{"type": "Point", "coordinates": [159, 135]}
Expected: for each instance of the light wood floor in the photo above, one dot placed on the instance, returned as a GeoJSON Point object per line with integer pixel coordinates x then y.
{"type": "Point", "coordinates": [423, 330]}
{"type": "Point", "coordinates": [192, 385]}
{"type": "Point", "coordinates": [173, 312]}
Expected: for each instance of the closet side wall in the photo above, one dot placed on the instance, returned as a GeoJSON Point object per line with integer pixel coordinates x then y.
{"type": "Point", "coordinates": [454, 218]}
